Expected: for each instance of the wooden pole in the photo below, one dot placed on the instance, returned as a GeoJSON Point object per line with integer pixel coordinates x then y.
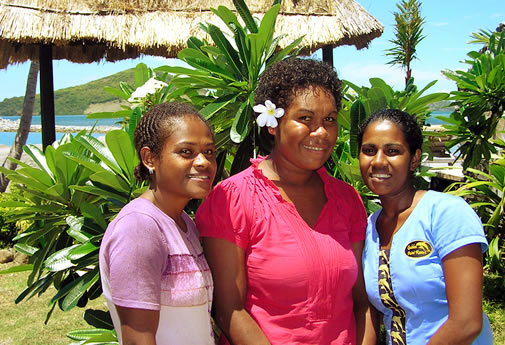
{"type": "Point", "coordinates": [328, 55]}
{"type": "Point", "coordinates": [47, 119]}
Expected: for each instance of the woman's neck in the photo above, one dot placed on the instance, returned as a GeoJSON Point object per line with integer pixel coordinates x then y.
{"type": "Point", "coordinates": [394, 205]}
{"type": "Point", "coordinates": [172, 208]}
{"type": "Point", "coordinates": [278, 169]}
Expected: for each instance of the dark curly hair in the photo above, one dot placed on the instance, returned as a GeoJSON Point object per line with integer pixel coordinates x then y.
{"type": "Point", "coordinates": [406, 122]}
{"type": "Point", "coordinates": [157, 124]}
{"type": "Point", "coordinates": [284, 79]}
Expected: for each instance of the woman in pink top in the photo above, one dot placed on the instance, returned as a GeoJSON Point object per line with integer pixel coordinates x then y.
{"type": "Point", "coordinates": [154, 276]}
{"type": "Point", "coordinates": [283, 238]}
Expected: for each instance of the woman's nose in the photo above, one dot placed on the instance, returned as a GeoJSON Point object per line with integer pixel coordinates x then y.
{"type": "Point", "coordinates": [319, 131]}
{"type": "Point", "coordinates": [201, 160]}
{"type": "Point", "coordinates": [379, 159]}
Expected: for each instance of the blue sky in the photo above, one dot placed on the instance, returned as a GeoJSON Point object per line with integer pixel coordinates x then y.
{"type": "Point", "coordinates": [449, 24]}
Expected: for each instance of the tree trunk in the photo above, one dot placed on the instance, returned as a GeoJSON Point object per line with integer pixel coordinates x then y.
{"type": "Point", "coordinates": [25, 123]}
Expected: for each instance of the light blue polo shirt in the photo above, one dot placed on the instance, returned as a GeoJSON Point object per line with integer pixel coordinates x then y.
{"type": "Point", "coordinates": [439, 224]}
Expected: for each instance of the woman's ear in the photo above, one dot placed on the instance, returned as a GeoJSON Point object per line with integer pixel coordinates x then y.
{"type": "Point", "coordinates": [147, 157]}
{"type": "Point", "coordinates": [271, 131]}
{"type": "Point", "coordinates": [416, 159]}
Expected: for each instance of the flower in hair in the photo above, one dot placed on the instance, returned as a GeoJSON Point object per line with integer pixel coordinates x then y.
{"type": "Point", "coordinates": [269, 114]}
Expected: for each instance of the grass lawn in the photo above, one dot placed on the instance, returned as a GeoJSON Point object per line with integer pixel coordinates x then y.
{"type": "Point", "coordinates": [23, 324]}
{"type": "Point", "coordinates": [496, 314]}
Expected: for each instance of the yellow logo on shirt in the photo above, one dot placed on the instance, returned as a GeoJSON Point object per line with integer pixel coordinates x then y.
{"type": "Point", "coordinates": [418, 249]}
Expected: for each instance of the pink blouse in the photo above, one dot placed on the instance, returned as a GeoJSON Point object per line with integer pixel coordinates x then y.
{"type": "Point", "coordinates": [299, 279]}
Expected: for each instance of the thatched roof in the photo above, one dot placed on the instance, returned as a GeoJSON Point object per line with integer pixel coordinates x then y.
{"type": "Point", "coordinates": [91, 30]}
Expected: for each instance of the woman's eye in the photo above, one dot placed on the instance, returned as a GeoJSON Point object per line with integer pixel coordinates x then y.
{"type": "Point", "coordinates": [209, 152]}
{"type": "Point", "coordinates": [331, 119]}
{"type": "Point", "coordinates": [186, 151]}
{"type": "Point", "coordinates": [304, 118]}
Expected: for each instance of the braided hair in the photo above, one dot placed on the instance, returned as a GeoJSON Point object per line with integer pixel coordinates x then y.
{"type": "Point", "coordinates": [157, 124]}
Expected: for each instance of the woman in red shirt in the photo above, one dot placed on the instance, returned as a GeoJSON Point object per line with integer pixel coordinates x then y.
{"type": "Point", "coordinates": [283, 238]}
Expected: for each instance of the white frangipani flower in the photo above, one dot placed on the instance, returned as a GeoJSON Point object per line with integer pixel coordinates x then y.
{"type": "Point", "coordinates": [269, 114]}
{"type": "Point", "coordinates": [149, 88]}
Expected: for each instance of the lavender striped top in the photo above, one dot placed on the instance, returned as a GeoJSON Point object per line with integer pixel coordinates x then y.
{"type": "Point", "coordinates": [147, 262]}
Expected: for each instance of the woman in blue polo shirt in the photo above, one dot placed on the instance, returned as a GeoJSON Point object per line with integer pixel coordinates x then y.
{"type": "Point", "coordinates": [422, 260]}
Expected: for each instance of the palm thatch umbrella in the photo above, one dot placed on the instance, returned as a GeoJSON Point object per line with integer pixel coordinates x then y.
{"type": "Point", "coordinates": [92, 30]}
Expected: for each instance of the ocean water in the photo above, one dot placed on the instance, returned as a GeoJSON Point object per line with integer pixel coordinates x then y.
{"type": "Point", "coordinates": [7, 138]}
{"type": "Point", "coordinates": [434, 121]}
{"type": "Point", "coordinates": [71, 120]}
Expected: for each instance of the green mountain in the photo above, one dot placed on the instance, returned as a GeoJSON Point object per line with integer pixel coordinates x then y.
{"type": "Point", "coordinates": [74, 100]}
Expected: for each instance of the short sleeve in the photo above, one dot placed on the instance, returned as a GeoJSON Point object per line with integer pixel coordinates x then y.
{"type": "Point", "coordinates": [223, 215]}
{"type": "Point", "coordinates": [137, 252]}
{"type": "Point", "coordinates": [455, 224]}
{"type": "Point", "coordinates": [358, 217]}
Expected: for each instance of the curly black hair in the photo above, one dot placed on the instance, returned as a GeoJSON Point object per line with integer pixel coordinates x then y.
{"type": "Point", "coordinates": [406, 122]}
{"type": "Point", "coordinates": [284, 79]}
{"type": "Point", "coordinates": [157, 124]}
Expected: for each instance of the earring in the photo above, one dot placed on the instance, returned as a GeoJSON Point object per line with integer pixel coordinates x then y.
{"type": "Point", "coordinates": [151, 171]}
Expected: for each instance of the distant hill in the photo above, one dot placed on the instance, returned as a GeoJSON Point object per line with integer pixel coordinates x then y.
{"type": "Point", "coordinates": [75, 100]}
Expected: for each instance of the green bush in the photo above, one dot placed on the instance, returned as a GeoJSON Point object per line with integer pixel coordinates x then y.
{"type": "Point", "coordinates": [7, 232]}
{"type": "Point", "coordinates": [494, 287]}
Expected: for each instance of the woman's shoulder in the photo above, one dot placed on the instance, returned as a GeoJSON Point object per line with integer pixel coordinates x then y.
{"type": "Point", "coordinates": [226, 193]}
{"type": "Point", "coordinates": [137, 206]}
{"type": "Point", "coordinates": [140, 213]}
{"type": "Point", "coordinates": [140, 207]}
{"type": "Point", "coordinates": [444, 200]}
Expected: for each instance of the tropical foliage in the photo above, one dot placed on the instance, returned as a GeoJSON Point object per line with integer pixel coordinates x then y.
{"type": "Point", "coordinates": [480, 106]}
{"type": "Point", "coordinates": [364, 101]}
{"type": "Point", "coordinates": [486, 194]}
{"type": "Point", "coordinates": [480, 101]}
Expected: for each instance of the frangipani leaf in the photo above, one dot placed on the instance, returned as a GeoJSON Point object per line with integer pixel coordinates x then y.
{"type": "Point", "coordinates": [121, 148]}
{"type": "Point", "coordinates": [79, 287]}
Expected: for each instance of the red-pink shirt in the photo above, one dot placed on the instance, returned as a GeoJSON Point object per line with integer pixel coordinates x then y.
{"type": "Point", "coordinates": [299, 279]}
